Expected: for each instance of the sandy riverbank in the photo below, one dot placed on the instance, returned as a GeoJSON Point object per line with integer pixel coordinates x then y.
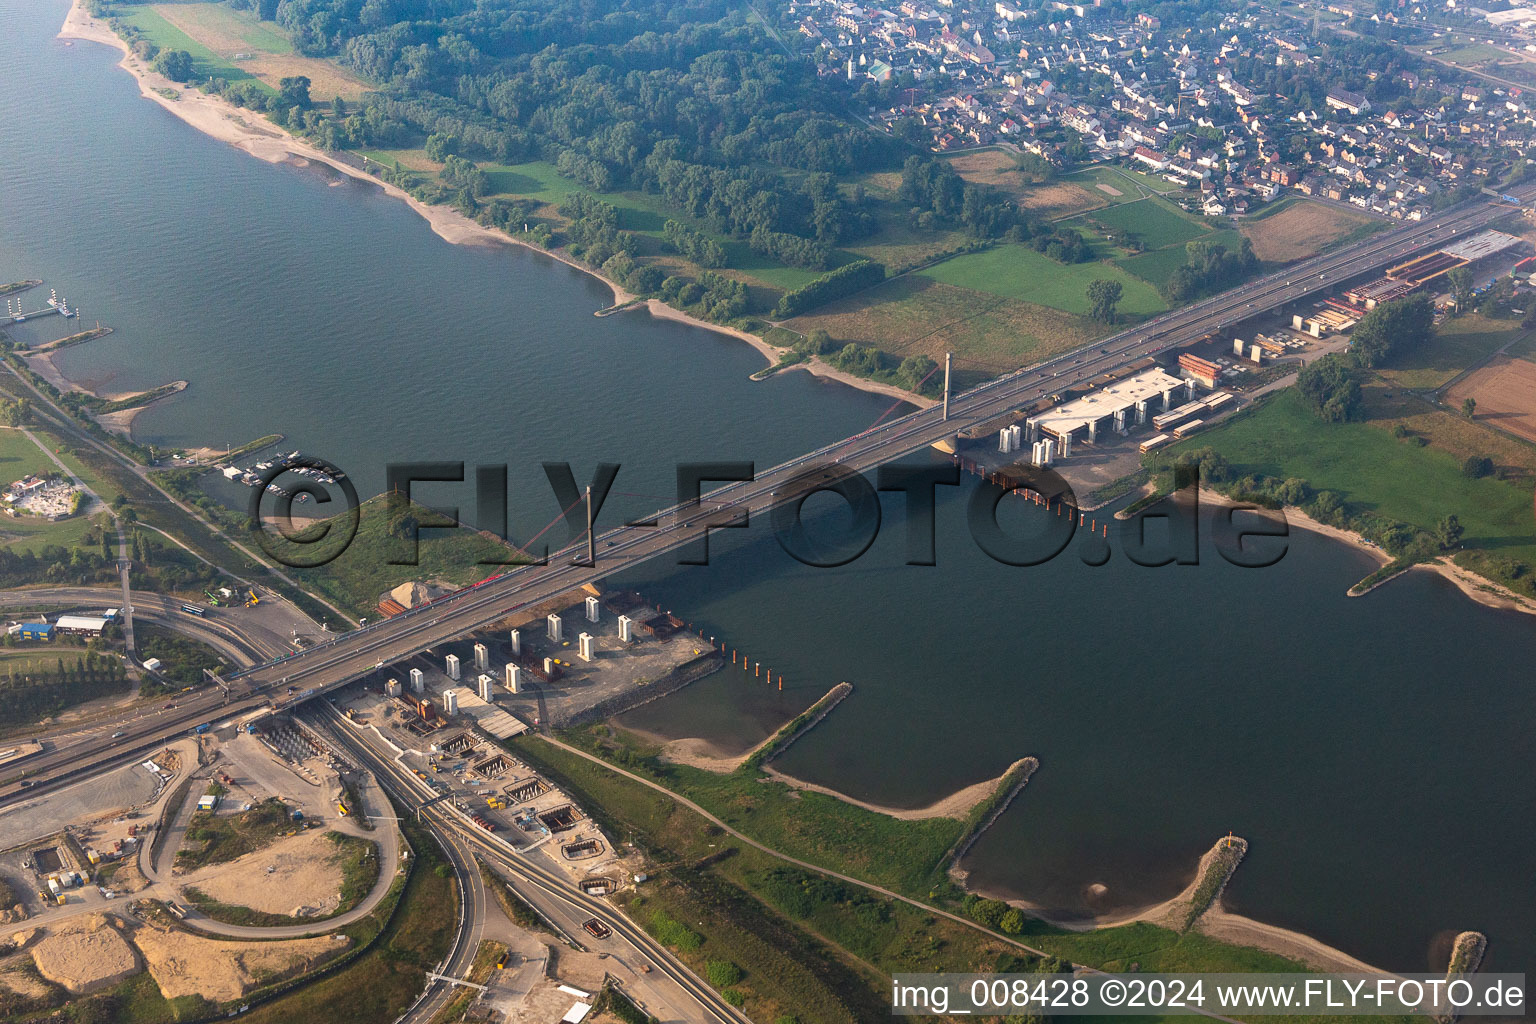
{"type": "Point", "coordinates": [120, 422]}
{"type": "Point", "coordinates": [1483, 591]}
{"type": "Point", "coordinates": [1216, 922]}
{"type": "Point", "coordinates": [254, 134]}
{"type": "Point", "coordinates": [700, 753]}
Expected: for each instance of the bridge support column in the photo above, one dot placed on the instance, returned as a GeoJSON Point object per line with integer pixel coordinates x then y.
{"type": "Point", "coordinates": [1093, 430]}
{"type": "Point", "coordinates": [947, 357]}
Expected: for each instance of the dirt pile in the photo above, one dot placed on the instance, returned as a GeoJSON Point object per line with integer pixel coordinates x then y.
{"type": "Point", "coordinates": [294, 876]}
{"type": "Point", "coordinates": [86, 954]}
{"type": "Point", "coordinates": [184, 964]}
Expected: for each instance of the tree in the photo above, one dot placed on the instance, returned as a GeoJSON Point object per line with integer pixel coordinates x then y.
{"type": "Point", "coordinates": [1103, 297]}
{"type": "Point", "coordinates": [1448, 531]}
{"type": "Point", "coordinates": [914, 370]}
{"type": "Point", "coordinates": [1012, 922]}
{"type": "Point", "coordinates": [1477, 466]}
{"type": "Point", "coordinates": [339, 107]}
{"type": "Point", "coordinates": [1392, 327]}
{"type": "Point", "coordinates": [1331, 387]}
{"type": "Point", "coordinates": [1469, 407]}
{"type": "Point", "coordinates": [293, 91]}
{"type": "Point", "coordinates": [1461, 285]}
{"type": "Point", "coordinates": [173, 64]}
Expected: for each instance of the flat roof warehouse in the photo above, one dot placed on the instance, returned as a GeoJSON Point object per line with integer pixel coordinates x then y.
{"type": "Point", "coordinates": [1119, 397]}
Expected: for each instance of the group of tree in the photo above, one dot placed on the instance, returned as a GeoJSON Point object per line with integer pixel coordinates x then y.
{"type": "Point", "coordinates": [1209, 267]}
{"type": "Point", "coordinates": [1103, 297]}
{"type": "Point", "coordinates": [1331, 386]}
{"type": "Point", "coordinates": [835, 284]}
{"type": "Point", "coordinates": [694, 246]}
{"type": "Point", "coordinates": [714, 296]}
{"type": "Point", "coordinates": [593, 230]}
{"type": "Point", "coordinates": [46, 685]}
{"type": "Point", "coordinates": [173, 64]}
{"type": "Point", "coordinates": [939, 196]}
{"type": "Point", "coordinates": [1392, 328]}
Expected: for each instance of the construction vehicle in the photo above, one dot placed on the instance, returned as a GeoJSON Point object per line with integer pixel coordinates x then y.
{"type": "Point", "coordinates": [251, 600]}
{"type": "Point", "coordinates": [501, 961]}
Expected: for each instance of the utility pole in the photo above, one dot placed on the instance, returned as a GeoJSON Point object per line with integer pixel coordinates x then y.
{"type": "Point", "coordinates": [591, 538]}
{"type": "Point", "coordinates": [947, 358]}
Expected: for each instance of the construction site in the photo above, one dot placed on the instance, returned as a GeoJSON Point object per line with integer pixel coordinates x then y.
{"type": "Point", "coordinates": [496, 790]}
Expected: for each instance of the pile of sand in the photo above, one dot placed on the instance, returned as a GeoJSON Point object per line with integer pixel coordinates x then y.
{"type": "Point", "coordinates": [13, 979]}
{"type": "Point", "coordinates": [85, 954]}
{"type": "Point", "coordinates": [184, 964]}
{"type": "Point", "coordinates": [294, 876]}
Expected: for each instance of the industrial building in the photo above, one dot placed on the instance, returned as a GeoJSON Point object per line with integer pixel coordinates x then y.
{"type": "Point", "coordinates": [82, 625]}
{"type": "Point", "coordinates": [1412, 274]}
{"type": "Point", "coordinates": [1124, 403]}
{"type": "Point", "coordinates": [33, 631]}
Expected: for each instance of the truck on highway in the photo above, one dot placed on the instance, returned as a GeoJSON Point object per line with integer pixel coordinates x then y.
{"type": "Point", "coordinates": [199, 730]}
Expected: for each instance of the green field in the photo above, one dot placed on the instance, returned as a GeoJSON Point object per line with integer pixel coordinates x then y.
{"type": "Point", "coordinates": [218, 21]}
{"type": "Point", "coordinates": [163, 34]}
{"type": "Point", "coordinates": [1019, 272]}
{"type": "Point", "coordinates": [1122, 179]}
{"type": "Point", "coordinates": [1157, 266]}
{"type": "Point", "coordinates": [19, 457]}
{"type": "Point", "coordinates": [360, 576]}
{"type": "Point", "coordinates": [1460, 343]}
{"type": "Point", "coordinates": [916, 315]}
{"type": "Point", "coordinates": [1374, 471]}
{"type": "Point", "coordinates": [1157, 223]}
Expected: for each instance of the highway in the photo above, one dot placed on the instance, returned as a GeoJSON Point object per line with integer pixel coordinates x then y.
{"type": "Point", "coordinates": [300, 676]}
{"type": "Point", "coordinates": [556, 898]}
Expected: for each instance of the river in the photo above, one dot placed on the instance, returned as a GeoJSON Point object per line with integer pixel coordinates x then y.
{"type": "Point", "coordinates": [1375, 752]}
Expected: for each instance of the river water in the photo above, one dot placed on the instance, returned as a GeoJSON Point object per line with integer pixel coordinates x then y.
{"type": "Point", "coordinates": [1375, 752]}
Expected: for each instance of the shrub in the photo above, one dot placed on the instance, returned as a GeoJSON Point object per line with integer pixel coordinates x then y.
{"type": "Point", "coordinates": [722, 973]}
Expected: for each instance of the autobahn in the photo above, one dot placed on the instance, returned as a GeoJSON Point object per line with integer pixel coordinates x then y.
{"type": "Point", "coordinates": [300, 676]}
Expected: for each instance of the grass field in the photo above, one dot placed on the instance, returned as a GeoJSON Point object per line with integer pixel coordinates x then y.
{"type": "Point", "coordinates": [1372, 470]}
{"type": "Point", "coordinates": [226, 837]}
{"type": "Point", "coordinates": [1018, 272]}
{"type": "Point", "coordinates": [19, 457]}
{"type": "Point", "coordinates": [1156, 223]}
{"type": "Point", "coordinates": [1157, 266]}
{"type": "Point", "coordinates": [269, 57]}
{"type": "Point", "coordinates": [206, 62]}
{"type": "Point", "coordinates": [916, 315]}
{"type": "Point", "coordinates": [1304, 228]}
{"type": "Point", "coordinates": [361, 575]}
{"type": "Point", "coordinates": [1459, 343]}
{"type": "Point", "coordinates": [1122, 179]}
{"type": "Point", "coordinates": [999, 169]}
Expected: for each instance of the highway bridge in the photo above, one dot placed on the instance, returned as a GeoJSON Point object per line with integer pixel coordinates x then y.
{"type": "Point", "coordinates": [301, 676]}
